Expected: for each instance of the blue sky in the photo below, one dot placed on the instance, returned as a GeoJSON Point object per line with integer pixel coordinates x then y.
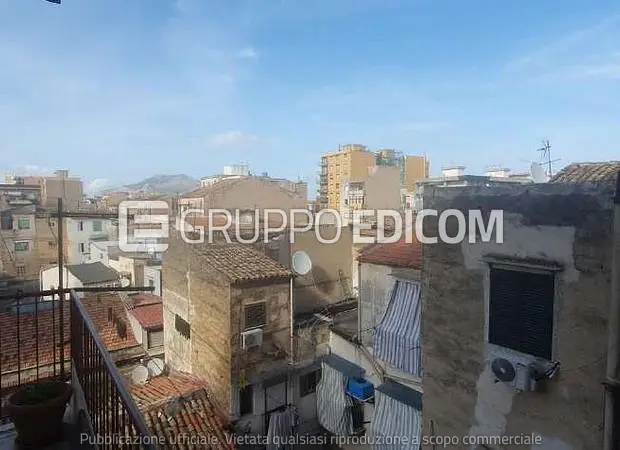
{"type": "Point", "coordinates": [119, 90]}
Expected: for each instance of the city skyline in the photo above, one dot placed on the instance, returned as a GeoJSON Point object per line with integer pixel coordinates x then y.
{"type": "Point", "coordinates": [119, 92]}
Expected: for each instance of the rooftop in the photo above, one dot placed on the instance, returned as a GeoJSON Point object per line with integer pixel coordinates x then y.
{"type": "Point", "coordinates": [397, 254]}
{"type": "Point", "coordinates": [149, 315]}
{"type": "Point", "coordinates": [588, 171]}
{"type": "Point", "coordinates": [177, 406]}
{"type": "Point", "coordinates": [240, 262]}
{"type": "Point", "coordinates": [31, 343]}
{"type": "Point", "coordinates": [92, 273]}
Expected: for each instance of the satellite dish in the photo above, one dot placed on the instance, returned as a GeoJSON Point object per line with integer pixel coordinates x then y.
{"type": "Point", "coordinates": [125, 282]}
{"type": "Point", "coordinates": [302, 264]}
{"type": "Point", "coordinates": [155, 366]}
{"type": "Point", "coordinates": [538, 174]}
{"type": "Point", "coordinates": [503, 370]}
{"type": "Point", "coordinates": [140, 374]}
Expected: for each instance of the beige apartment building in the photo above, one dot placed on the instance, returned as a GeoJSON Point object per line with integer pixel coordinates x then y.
{"type": "Point", "coordinates": [61, 185]}
{"type": "Point", "coordinates": [350, 163]}
{"type": "Point", "coordinates": [346, 173]}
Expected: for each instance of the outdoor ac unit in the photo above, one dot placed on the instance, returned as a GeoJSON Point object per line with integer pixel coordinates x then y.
{"type": "Point", "coordinates": [517, 375]}
{"type": "Point", "coordinates": [252, 338]}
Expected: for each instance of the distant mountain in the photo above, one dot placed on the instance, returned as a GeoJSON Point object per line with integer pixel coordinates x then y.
{"type": "Point", "coordinates": [164, 184]}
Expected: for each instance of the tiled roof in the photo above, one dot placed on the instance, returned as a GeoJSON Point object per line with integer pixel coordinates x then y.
{"type": "Point", "coordinates": [46, 326]}
{"type": "Point", "coordinates": [91, 273]}
{"type": "Point", "coordinates": [240, 262]}
{"type": "Point", "coordinates": [592, 171]}
{"type": "Point", "coordinates": [178, 408]}
{"type": "Point", "coordinates": [149, 316]}
{"type": "Point", "coordinates": [144, 298]}
{"type": "Point", "coordinates": [397, 254]}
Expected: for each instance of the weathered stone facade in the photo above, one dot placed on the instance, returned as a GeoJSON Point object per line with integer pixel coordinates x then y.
{"type": "Point", "coordinates": [212, 305]}
{"type": "Point", "coordinates": [569, 225]}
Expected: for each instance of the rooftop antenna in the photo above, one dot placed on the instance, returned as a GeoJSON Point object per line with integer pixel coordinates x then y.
{"type": "Point", "coordinates": [545, 152]}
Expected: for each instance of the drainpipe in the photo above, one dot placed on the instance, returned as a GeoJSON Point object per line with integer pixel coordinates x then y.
{"type": "Point", "coordinates": [292, 324]}
{"type": "Point", "coordinates": [611, 435]}
{"type": "Point", "coordinates": [359, 300]}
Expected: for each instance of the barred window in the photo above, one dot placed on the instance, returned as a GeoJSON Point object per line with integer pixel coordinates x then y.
{"type": "Point", "coordinates": [255, 315]}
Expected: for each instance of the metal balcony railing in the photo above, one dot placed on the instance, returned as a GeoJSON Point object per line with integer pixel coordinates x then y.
{"type": "Point", "coordinates": [111, 410]}
{"type": "Point", "coordinates": [57, 339]}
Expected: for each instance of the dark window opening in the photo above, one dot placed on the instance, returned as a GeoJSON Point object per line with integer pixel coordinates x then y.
{"type": "Point", "coordinates": [182, 326]}
{"type": "Point", "coordinates": [521, 311]}
{"type": "Point", "coordinates": [308, 383]}
{"type": "Point", "coordinates": [246, 400]}
{"type": "Point", "coordinates": [255, 315]}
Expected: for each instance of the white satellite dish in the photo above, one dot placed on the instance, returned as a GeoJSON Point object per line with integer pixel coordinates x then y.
{"type": "Point", "coordinates": [155, 366]}
{"type": "Point", "coordinates": [125, 282]}
{"type": "Point", "coordinates": [301, 262]}
{"type": "Point", "coordinates": [538, 174]}
{"type": "Point", "coordinates": [140, 374]}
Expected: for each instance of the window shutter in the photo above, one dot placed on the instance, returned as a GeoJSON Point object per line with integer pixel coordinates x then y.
{"type": "Point", "coordinates": [521, 311]}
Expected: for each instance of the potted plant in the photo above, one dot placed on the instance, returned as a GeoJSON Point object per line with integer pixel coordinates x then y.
{"type": "Point", "coordinates": [37, 411]}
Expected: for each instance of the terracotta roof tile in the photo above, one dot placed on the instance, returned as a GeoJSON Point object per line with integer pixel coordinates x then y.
{"type": "Point", "coordinates": [143, 299]}
{"type": "Point", "coordinates": [149, 316]}
{"type": "Point", "coordinates": [38, 334]}
{"type": "Point", "coordinates": [592, 171]}
{"type": "Point", "coordinates": [397, 254]}
{"type": "Point", "coordinates": [240, 262]}
{"type": "Point", "coordinates": [179, 409]}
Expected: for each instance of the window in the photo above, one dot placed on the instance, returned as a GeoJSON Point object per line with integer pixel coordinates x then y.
{"type": "Point", "coordinates": [182, 326]}
{"type": "Point", "coordinates": [255, 315]}
{"type": "Point", "coordinates": [151, 282]}
{"type": "Point", "coordinates": [80, 226]}
{"type": "Point", "coordinates": [308, 382]}
{"type": "Point", "coordinates": [82, 247]}
{"type": "Point", "coordinates": [97, 226]}
{"type": "Point", "coordinates": [23, 224]}
{"type": "Point", "coordinates": [155, 338]}
{"type": "Point", "coordinates": [22, 246]}
{"type": "Point", "coordinates": [246, 400]}
{"type": "Point", "coordinates": [521, 311]}
{"type": "Point", "coordinates": [21, 271]}
{"type": "Point", "coordinates": [51, 244]}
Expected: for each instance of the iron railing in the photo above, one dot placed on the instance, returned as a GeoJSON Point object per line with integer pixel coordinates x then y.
{"type": "Point", "coordinates": [32, 344]}
{"type": "Point", "coordinates": [32, 348]}
{"type": "Point", "coordinates": [114, 418]}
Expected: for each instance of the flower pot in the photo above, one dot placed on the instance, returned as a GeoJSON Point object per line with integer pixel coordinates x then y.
{"type": "Point", "coordinates": [37, 411]}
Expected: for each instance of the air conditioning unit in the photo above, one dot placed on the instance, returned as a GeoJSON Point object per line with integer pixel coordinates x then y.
{"type": "Point", "coordinates": [252, 338]}
{"type": "Point", "coordinates": [520, 376]}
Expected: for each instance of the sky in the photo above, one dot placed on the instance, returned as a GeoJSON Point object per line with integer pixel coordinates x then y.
{"type": "Point", "coordinates": [117, 90]}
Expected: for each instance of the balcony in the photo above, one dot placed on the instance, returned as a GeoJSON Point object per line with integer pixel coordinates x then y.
{"type": "Point", "coordinates": [58, 340]}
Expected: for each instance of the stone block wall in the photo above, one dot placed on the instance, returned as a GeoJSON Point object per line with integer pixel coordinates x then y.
{"type": "Point", "coordinates": [567, 224]}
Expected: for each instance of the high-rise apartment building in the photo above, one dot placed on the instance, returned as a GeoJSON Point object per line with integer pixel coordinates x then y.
{"type": "Point", "coordinates": [353, 164]}
{"type": "Point", "coordinates": [350, 163]}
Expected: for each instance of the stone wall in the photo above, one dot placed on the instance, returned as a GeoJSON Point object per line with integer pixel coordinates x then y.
{"type": "Point", "coordinates": [567, 224]}
{"type": "Point", "coordinates": [276, 332]}
{"type": "Point", "coordinates": [201, 297]}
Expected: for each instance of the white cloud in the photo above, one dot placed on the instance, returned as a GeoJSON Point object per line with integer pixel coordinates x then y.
{"type": "Point", "coordinates": [96, 186]}
{"type": "Point", "coordinates": [31, 170]}
{"type": "Point", "coordinates": [590, 52]}
{"type": "Point", "coordinates": [248, 53]}
{"type": "Point", "coordinates": [232, 139]}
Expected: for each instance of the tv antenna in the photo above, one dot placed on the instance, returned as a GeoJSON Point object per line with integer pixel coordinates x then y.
{"type": "Point", "coordinates": [546, 160]}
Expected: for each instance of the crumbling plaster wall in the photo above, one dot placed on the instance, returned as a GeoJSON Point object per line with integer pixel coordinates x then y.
{"type": "Point", "coordinates": [569, 225]}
